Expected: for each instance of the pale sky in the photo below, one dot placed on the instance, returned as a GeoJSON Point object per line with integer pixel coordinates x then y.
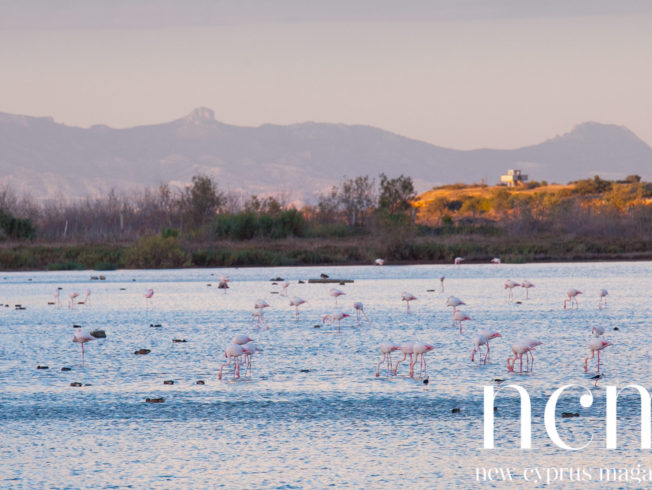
{"type": "Point", "coordinates": [459, 73]}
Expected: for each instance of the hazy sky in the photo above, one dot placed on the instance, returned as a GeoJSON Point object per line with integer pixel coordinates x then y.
{"type": "Point", "coordinates": [461, 74]}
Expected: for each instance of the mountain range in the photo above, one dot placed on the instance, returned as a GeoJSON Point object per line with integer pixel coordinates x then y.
{"type": "Point", "coordinates": [51, 160]}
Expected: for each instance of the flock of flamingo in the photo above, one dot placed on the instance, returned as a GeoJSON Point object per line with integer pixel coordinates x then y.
{"type": "Point", "coordinates": [242, 348]}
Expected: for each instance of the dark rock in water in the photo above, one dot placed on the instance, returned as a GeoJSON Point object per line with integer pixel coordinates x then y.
{"type": "Point", "coordinates": [142, 352]}
{"type": "Point", "coordinates": [498, 380]}
{"type": "Point", "coordinates": [277, 279]}
{"type": "Point", "coordinates": [495, 409]}
{"type": "Point", "coordinates": [50, 302]}
{"type": "Point", "coordinates": [76, 384]}
{"type": "Point", "coordinates": [155, 325]}
{"type": "Point", "coordinates": [426, 381]}
{"type": "Point", "coordinates": [95, 278]}
{"type": "Point", "coordinates": [102, 278]}
{"type": "Point", "coordinates": [519, 303]}
{"type": "Point", "coordinates": [209, 285]}
{"type": "Point", "coordinates": [98, 334]}
{"type": "Point", "coordinates": [168, 382]}
{"type": "Point", "coordinates": [456, 410]}
{"type": "Point", "coordinates": [274, 284]}
{"type": "Point", "coordinates": [273, 292]}
{"type": "Point", "coordinates": [20, 307]}
{"type": "Point", "coordinates": [59, 288]}
{"type": "Point", "coordinates": [42, 367]}
{"type": "Point", "coordinates": [302, 282]}
{"type": "Point", "coordinates": [88, 384]}
{"type": "Point", "coordinates": [317, 326]}
{"type": "Point", "coordinates": [154, 400]}
{"type": "Point", "coordinates": [323, 276]}
{"type": "Point", "coordinates": [177, 341]}
{"type": "Point", "coordinates": [304, 370]}
{"type": "Point", "coordinates": [200, 382]}
{"type": "Point", "coordinates": [76, 326]}
{"type": "Point", "coordinates": [123, 289]}
{"type": "Point", "coordinates": [66, 369]}
{"type": "Point", "coordinates": [342, 283]}
{"type": "Point", "coordinates": [430, 290]}
{"type": "Point", "coordinates": [616, 328]}
{"type": "Point", "coordinates": [567, 415]}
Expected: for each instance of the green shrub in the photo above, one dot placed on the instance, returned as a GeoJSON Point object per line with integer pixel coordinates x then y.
{"type": "Point", "coordinates": [155, 252]}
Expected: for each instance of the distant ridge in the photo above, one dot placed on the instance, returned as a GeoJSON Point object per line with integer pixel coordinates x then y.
{"type": "Point", "coordinates": [51, 160]}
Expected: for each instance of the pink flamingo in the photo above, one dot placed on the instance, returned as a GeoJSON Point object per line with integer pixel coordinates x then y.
{"type": "Point", "coordinates": [519, 348]}
{"type": "Point", "coordinates": [407, 297]}
{"type": "Point", "coordinates": [71, 301]}
{"type": "Point", "coordinates": [81, 337]}
{"type": "Point", "coordinates": [572, 297]}
{"type": "Point", "coordinates": [406, 349]}
{"type": "Point", "coordinates": [420, 349]}
{"type": "Point", "coordinates": [336, 293]}
{"type": "Point", "coordinates": [338, 316]}
{"type": "Point", "coordinates": [148, 296]}
{"type": "Point", "coordinates": [248, 351]}
{"type": "Point", "coordinates": [441, 281]}
{"type": "Point", "coordinates": [454, 302]}
{"type": "Point", "coordinates": [495, 260]}
{"type": "Point", "coordinates": [296, 302]}
{"type": "Point", "coordinates": [459, 317]}
{"type": "Point", "coordinates": [379, 261]}
{"type": "Point", "coordinates": [603, 298]}
{"type": "Point", "coordinates": [597, 331]}
{"type": "Point", "coordinates": [482, 338]}
{"type": "Point", "coordinates": [529, 356]}
{"type": "Point", "coordinates": [386, 349]}
{"type": "Point", "coordinates": [359, 310]}
{"type": "Point", "coordinates": [232, 352]}
{"type": "Point", "coordinates": [258, 315]}
{"type": "Point", "coordinates": [87, 298]}
{"type": "Point", "coordinates": [223, 283]}
{"type": "Point", "coordinates": [595, 345]}
{"type": "Point", "coordinates": [284, 289]}
{"type": "Point", "coordinates": [509, 284]}
{"type": "Point", "coordinates": [458, 260]}
{"type": "Point", "coordinates": [527, 285]}
{"type": "Point", "coordinates": [241, 339]}
{"type": "Point", "coordinates": [57, 297]}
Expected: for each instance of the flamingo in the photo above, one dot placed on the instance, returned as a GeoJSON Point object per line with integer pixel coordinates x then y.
{"type": "Point", "coordinates": [296, 302]}
{"type": "Point", "coordinates": [407, 297]}
{"type": "Point", "coordinates": [441, 281]}
{"type": "Point", "coordinates": [241, 339]}
{"type": "Point", "coordinates": [379, 261]}
{"type": "Point", "coordinates": [595, 345]}
{"type": "Point", "coordinates": [57, 297]}
{"type": "Point", "coordinates": [338, 316]}
{"type": "Point", "coordinates": [482, 338]}
{"type": "Point", "coordinates": [336, 293]}
{"type": "Point", "coordinates": [71, 301]}
{"type": "Point", "coordinates": [224, 283]}
{"type": "Point", "coordinates": [359, 309]}
{"type": "Point", "coordinates": [518, 349]}
{"type": "Point", "coordinates": [81, 337]}
{"type": "Point", "coordinates": [148, 296]}
{"type": "Point", "coordinates": [458, 260]}
{"type": "Point", "coordinates": [603, 298]}
{"type": "Point", "coordinates": [597, 331]}
{"type": "Point", "coordinates": [509, 284]}
{"type": "Point", "coordinates": [232, 352]}
{"type": "Point", "coordinates": [258, 313]}
{"type": "Point", "coordinates": [248, 351]}
{"type": "Point", "coordinates": [572, 297]}
{"type": "Point", "coordinates": [527, 285]}
{"type": "Point", "coordinates": [284, 289]}
{"type": "Point", "coordinates": [386, 349]}
{"type": "Point", "coordinates": [454, 302]}
{"type": "Point", "coordinates": [420, 349]}
{"type": "Point", "coordinates": [406, 349]}
{"type": "Point", "coordinates": [495, 260]}
{"type": "Point", "coordinates": [87, 298]}
{"type": "Point", "coordinates": [459, 317]}
{"type": "Point", "coordinates": [529, 356]}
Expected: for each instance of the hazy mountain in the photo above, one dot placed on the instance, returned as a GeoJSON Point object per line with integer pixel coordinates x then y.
{"type": "Point", "coordinates": [50, 160]}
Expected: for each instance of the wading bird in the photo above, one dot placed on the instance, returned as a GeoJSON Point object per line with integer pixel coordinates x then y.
{"type": "Point", "coordinates": [595, 345]}
{"type": "Point", "coordinates": [527, 285]}
{"type": "Point", "coordinates": [232, 353]}
{"type": "Point", "coordinates": [458, 317]}
{"type": "Point", "coordinates": [407, 297]}
{"type": "Point", "coordinates": [296, 302]}
{"type": "Point", "coordinates": [386, 349]}
{"type": "Point", "coordinates": [336, 293]}
{"type": "Point", "coordinates": [572, 297]}
{"type": "Point", "coordinates": [81, 337]}
{"type": "Point", "coordinates": [509, 284]}
{"type": "Point", "coordinates": [603, 298]}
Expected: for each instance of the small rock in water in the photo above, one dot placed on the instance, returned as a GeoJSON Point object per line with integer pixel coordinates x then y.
{"type": "Point", "coordinates": [273, 292]}
{"type": "Point", "coordinates": [176, 341]}
{"type": "Point", "coordinates": [98, 334]}
{"type": "Point", "coordinates": [66, 369]}
{"type": "Point", "coordinates": [567, 415]}
{"type": "Point", "coordinates": [88, 384]}
{"type": "Point", "coordinates": [155, 325]}
{"type": "Point", "coordinates": [76, 384]}
{"type": "Point", "coordinates": [209, 285]}
{"type": "Point", "coordinates": [430, 290]}
{"type": "Point", "coordinates": [277, 279]}
{"type": "Point", "coordinates": [76, 326]}
{"type": "Point", "coordinates": [498, 380]}
{"type": "Point", "coordinates": [274, 284]}
{"type": "Point", "coordinates": [317, 326]}
{"type": "Point", "coordinates": [616, 328]}
{"type": "Point", "coordinates": [142, 352]}
{"type": "Point", "coordinates": [302, 282]}
{"type": "Point", "coordinates": [168, 382]}
{"type": "Point", "coordinates": [519, 303]}
{"type": "Point", "coordinates": [426, 381]}
{"type": "Point", "coordinates": [304, 370]}
{"type": "Point", "coordinates": [123, 289]}
{"type": "Point", "coordinates": [102, 278]}
{"type": "Point", "coordinates": [42, 367]}
{"type": "Point", "coordinates": [154, 400]}
{"type": "Point", "coordinates": [200, 382]}
{"type": "Point", "coordinates": [50, 302]}
{"type": "Point", "coordinates": [456, 410]}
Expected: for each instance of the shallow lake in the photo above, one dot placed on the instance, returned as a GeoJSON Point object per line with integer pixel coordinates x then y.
{"type": "Point", "coordinates": [311, 413]}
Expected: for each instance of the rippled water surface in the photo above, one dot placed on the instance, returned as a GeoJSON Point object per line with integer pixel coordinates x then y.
{"type": "Point", "coordinates": [311, 413]}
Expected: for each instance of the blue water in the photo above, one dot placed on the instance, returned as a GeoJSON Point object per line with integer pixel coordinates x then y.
{"type": "Point", "coordinates": [311, 413]}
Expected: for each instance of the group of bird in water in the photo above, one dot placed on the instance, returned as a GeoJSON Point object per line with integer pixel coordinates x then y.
{"type": "Point", "coordinates": [242, 348]}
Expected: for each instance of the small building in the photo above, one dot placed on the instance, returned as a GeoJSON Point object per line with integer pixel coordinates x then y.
{"type": "Point", "coordinates": [513, 178]}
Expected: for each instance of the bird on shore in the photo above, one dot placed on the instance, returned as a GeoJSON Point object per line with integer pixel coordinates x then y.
{"type": "Point", "coordinates": [223, 283]}
{"type": "Point", "coordinates": [595, 345]}
{"type": "Point", "coordinates": [458, 317]}
{"type": "Point", "coordinates": [420, 349]}
{"type": "Point", "coordinates": [336, 293]}
{"type": "Point", "coordinates": [603, 298]}
{"type": "Point", "coordinates": [386, 349]}
{"type": "Point", "coordinates": [509, 284]}
{"type": "Point", "coordinates": [232, 353]}
{"type": "Point", "coordinates": [81, 337]}
{"type": "Point", "coordinates": [379, 261]}
{"type": "Point", "coordinates": [495, 260]}
{"type": "Point", "coordinates": [407, 297]}
{"type": "Point", "coordinates": [572, 294]}
{"type": "Point", "coordinates": [458, 260]}
{"type": "Point", "coordinates": [296, 302]}
{"type": "Point", "coordinates": [359, 310]}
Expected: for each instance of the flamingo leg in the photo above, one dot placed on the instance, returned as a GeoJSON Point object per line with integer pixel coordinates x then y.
{"type": "Point", "coordinates": [82, 346]}
{"type": "Point", "coordinates": [384, 359]}
{"type": "Point", "coordinates": [598, 362]}
{"type": "Point", "coordinates": [399, 362]}
{"type": "Point", "coordinates": [228, 361]}
{"type": "Point", "coordinates": [486, 356]}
